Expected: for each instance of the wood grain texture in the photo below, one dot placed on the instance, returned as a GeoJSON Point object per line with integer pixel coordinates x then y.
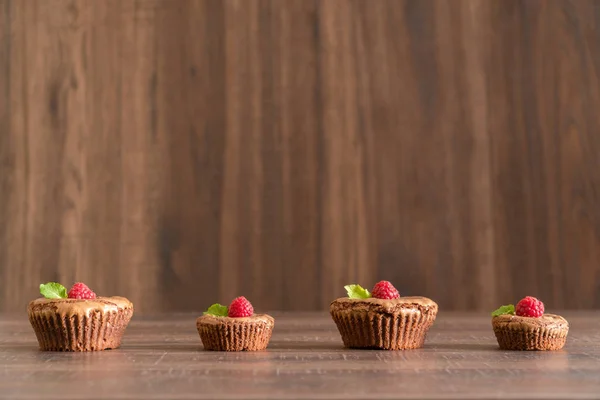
{"type": "Point", "coordinates": [6, 160]}
{"type": "Point", "coordinates": [185, 152]}
{"type": "Point", "coordinates": [162, 357]}
{"type": "Point", "coordinates": [545, 191]}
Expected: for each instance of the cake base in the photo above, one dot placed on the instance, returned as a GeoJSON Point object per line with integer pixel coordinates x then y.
{"type": "Point", "coordinates": [398, 324]}
{"type": "Point", "coordinates": [235, 334]}
{"type": "Point", "coordinates": [80, 325]}
{"type": "Point", "coordinates": [546, 333]}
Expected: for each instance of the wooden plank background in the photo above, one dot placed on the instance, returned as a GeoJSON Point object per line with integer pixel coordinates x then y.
{"type": "Point", "coordinates": [181, 152]}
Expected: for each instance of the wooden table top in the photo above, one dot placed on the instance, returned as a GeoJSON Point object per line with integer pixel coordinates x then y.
{"type": "Point", "coordinates": [162, 357]}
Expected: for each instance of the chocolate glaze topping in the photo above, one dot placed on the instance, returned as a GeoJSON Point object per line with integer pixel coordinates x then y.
{"type": "Point", "coordinates": [391, 306]}
{"type": "Point", "coordinates": [213, 320]}
{"type": "Point", "coordinates": [67, 307]}
{"type": "Point", "coordinates": [550, 321]}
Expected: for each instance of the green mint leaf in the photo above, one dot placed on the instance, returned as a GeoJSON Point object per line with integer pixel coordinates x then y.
{"type": "Point", "coordinates": [357, 292]}
{"type": "Point", "coordinates": [508, 309]}
{"type": "Point", "coordinates": [53, 290]}
{"type": "Point", "coordinates": [217, 310]}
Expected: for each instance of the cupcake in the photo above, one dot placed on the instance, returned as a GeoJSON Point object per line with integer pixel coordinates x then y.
{"type": "Point", "coordinates": [78, 320]}
{"type": "Point", "coordinates": [526, 327]}
{"type": "Point", "coordinates": [383, 319]}
{"type": "Point", "coordinates": [234, 328]}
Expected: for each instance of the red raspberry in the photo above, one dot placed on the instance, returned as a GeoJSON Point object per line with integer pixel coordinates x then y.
{"type": "Point", "coordinates": [385, 290]}
{"type": "Point", "coordinates": [530, 307]}
{"type": "Point", "coordinates": [81, 291]}
{"type": "Point", "coordinates": [240, 307]}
